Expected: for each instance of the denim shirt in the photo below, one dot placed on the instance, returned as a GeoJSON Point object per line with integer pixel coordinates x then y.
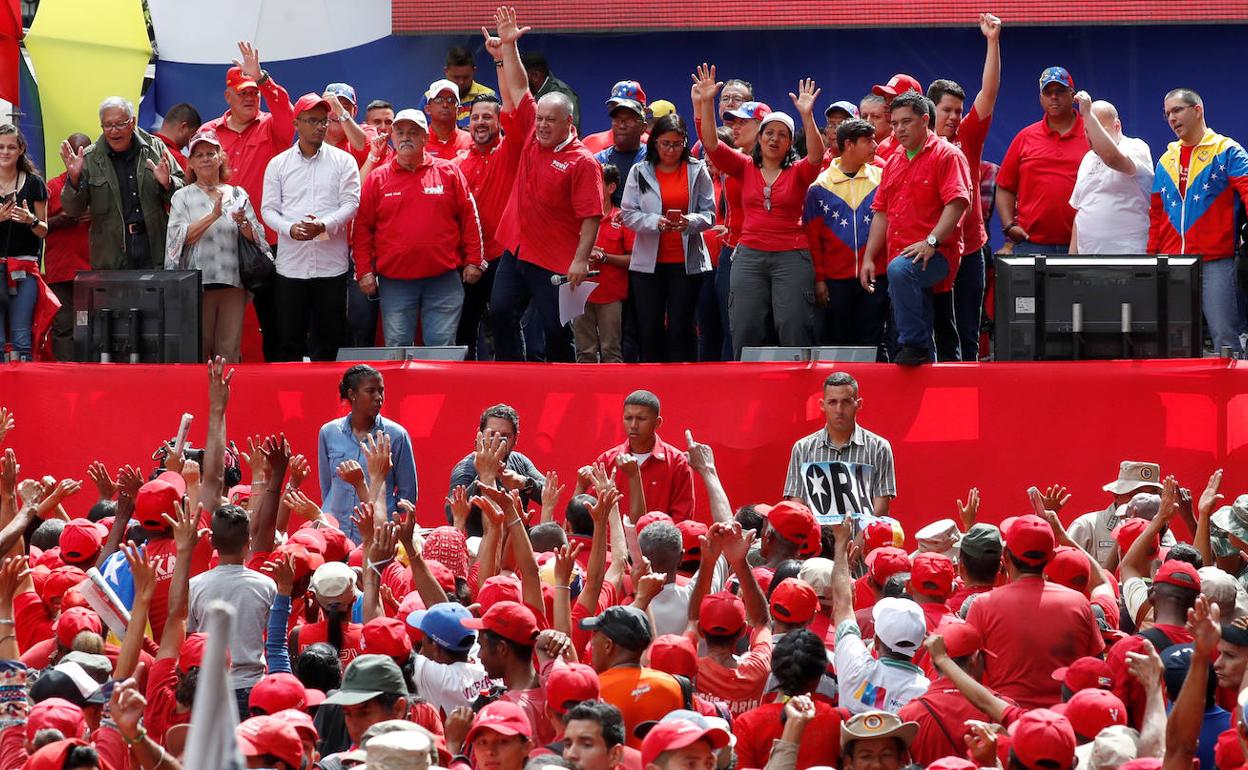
{"type": "Point", "coordinates": [337, 444]}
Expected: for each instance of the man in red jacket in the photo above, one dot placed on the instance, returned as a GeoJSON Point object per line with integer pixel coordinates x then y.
{"type": "Point", "coordinates": [666, 476]}
{"type": "Point", "coordinates": [417, 238]}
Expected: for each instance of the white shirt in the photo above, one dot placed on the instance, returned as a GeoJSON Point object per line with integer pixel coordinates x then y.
{"type": "Point", "coordinates": [866, 682]}
{"type": "Point", "coordinates": [670, 607]}
{"type": "Point", "coordinates": [449, 685]}
{"type": "Point", "coordinates": [1111, 208]}
{"type": "Point", "coordinates": [326, 185]}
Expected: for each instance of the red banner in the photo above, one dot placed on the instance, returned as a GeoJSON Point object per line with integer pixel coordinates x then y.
{"type": "Point", "coordinates": [1001, 427]}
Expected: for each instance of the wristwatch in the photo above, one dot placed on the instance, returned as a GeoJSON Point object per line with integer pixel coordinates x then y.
{"type": "Point", "coordinates": [931, 241]}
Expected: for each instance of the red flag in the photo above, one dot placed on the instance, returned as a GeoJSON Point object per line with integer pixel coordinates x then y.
{"type": "Point", "coordinates": [10, 49]}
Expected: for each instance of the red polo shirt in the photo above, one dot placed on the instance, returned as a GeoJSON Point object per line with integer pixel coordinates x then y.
{"type": "Point", "coordinates": [491, 170]}
{"type": "Point", "coordinates": [665, 476]}
{"type": "Point", "coordinates": [556, 189]}
{"type": "Point", "coordinates": [972, 134]}
{"type": "Point", "coordinates": [757, 728]}
{"type": "Point", "coordinates": [914, 191]}
{"type": "Point", "coordinates": [174, 150]}
{"type": "Point", "coordinates": [66, 249]}
{"type": "Point", "coordinates": [458, 140]}
{"type": "Point", "coordinates": [418, 223]}
{"type": "Point", "coordinates": [251, 149]}
{"type": "Point", "coordinates": [778, 227]}
{"type": "Point", "coordinates": [1040, 167]}
{"type": "Point", "coordinates": [949, 710]}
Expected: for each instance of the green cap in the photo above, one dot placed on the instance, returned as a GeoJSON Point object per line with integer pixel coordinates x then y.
{"type": "Point", "coordinates": [982, 541]}
{"type": "Point", "coordinates": [367, 677]}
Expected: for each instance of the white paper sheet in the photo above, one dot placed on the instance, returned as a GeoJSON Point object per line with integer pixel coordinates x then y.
{"type": "Point", "coordinates": [572, 301]}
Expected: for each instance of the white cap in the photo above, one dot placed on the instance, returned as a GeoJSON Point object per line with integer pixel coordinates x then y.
{"type": "Point", "coordinates": [817, 571]}
{"type": "Point", "coordinates": [438, 86]}
{"type": "Point", "coordinates": [1113, 747]}
{"type": "Point", "coordinates": [402, 750]}
{"type": "Point", "coordinates": [777, 117]}
{"type": "Point", "coordinates": [415, 116]}
{"type": "Point", "coordinates": [332, 579]}
{"type": "Point", "coordinates": [900, 625]}
{"type": "Point", "coordinates": [940, 536]}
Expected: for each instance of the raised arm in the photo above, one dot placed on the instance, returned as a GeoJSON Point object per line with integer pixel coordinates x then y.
{"type": "Point", "coordinates": [1135, 561]}
{"type": "Point", "coordinates": [521, 547]}
{"type": "Point", "coordinates": [990, 86]}
{"type": "Point", "coordinates": [1209, 500]}
{"type": "Point", "coordinates": [276, 452]}
{"type": "Point", "coordinates": [144, 586]}
{"type": "Point", "coordinates": [423, 581]}
{"type": "Point", "coordinates": [596, 567]}
{"type": "Point", "coordinates": [1184, 722]}
{"type": "Point", "coordinates": [711, 546]}
{"type": "Point", "coordinates": [1099, 139]}
{"type": "Point", "coordinates": [186, 536]}
{"type": "Point", "coordinates": [706, 87]}
{"type": "Point", "coordinates": [804, 101]}
{"type": "Point", "coordinates": [736, 550]}
{"type": "Point", "coordinates": [975, 693]}
{"type": "Point", "coordinates": [842, 591]}
{"type": "Point", "coordinates": [214, 446]}
{"type": "Point", "coordinates": [513, 81]}
{"type": "Point", "coordinates": [702, 460]}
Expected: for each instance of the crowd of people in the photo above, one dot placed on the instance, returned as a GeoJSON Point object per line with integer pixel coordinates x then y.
{"type": "Point", "coordinates": [611, 623]}
{"type": "Point", "coordinates": [734, 225]}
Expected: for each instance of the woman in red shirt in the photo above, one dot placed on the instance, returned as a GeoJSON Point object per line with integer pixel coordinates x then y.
{"type": "Point", "coordinates": [773, 277]}
{"type": "Point", "coordinates": [668, 202]}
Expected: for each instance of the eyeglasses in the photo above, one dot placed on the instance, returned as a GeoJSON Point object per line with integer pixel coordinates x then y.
{"type": "Point", "coordinates": [767, 197]}
{"type": "Point", "coordinates": [318, 122]}
{"type": "Point", "coordinates": [443, 100]}
{"type": "Point", "coordinates": [115, 126]}
{"type": "Point", "coordinates": [665, 145]}
{"type": "Point", "coordinates": [1170, 113]}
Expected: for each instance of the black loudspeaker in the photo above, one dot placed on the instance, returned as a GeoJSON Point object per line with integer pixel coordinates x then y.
{"type": "Point", "coordinates": [1097, 307]}
{"type": "Point", "coordinates": [137, 316]}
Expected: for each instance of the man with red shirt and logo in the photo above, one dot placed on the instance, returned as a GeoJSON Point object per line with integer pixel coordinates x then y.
{"type": "Point", "coordinates": [490, 166]}
{"type": "Point", "coordinates": [417, 239]}
{"type": "Point", "coordinates": [923, 193]}
{"type": "Point", "coordinates": [1025, 652]}
{"type": "Point", "coordinates": [446, 138]}
{"type": "Point", "coordinates": [66, 253]}
{"type": "Point", "coordinates": [897, 85]}
{"type": "Point", "coordinates": [960, 298]}
{"type": "Point", "coordinates": [550, 225]}
{"type": "Point", "coordinates": [1038, 174]}
{"type": "Point", "coordinates": [250, 139]}
{"type": "Point", "coordinates": [665, 473]}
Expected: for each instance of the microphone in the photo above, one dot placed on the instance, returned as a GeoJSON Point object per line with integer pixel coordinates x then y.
{"type": "Point", "coordinates": [559, 280]}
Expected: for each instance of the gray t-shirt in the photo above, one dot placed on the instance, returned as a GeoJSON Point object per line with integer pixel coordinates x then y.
{"type": "Point", "coordinates": [251, 595]}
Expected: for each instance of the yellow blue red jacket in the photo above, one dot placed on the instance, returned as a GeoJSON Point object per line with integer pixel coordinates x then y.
{"type": "Point", "coordinates": [1202, 220]}
{"type": "Point", "coordinates": [838, 219]}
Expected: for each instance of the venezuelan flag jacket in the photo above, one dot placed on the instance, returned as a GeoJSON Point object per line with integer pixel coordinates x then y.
{"type": "Point", "coordinates": [1202, 221]}
{"type": "Point", "coordinates": [838, 219]}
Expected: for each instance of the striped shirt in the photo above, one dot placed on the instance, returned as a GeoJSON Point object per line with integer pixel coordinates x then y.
{"type": "Point", "coordinates": [864, 447]}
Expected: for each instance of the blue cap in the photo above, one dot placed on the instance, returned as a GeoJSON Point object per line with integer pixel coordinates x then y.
{"type": "Point", "coordinates": [749, 111]}
{"type": "Point", "coordinates": [849, 108]}
{"type": "Point", "coordinates": [1056, 75]}
{"type": "Point", "coordinates": [343, 90]}
{"type": "Point", "coordinates": [441, 623]}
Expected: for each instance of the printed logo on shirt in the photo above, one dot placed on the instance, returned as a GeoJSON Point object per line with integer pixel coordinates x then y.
{"type": "Point", "coordinates": [559, 165]}
{"type": "Point", "coordinates": [393, 194]}
{"type": "Point", "coordinates": [433, 190]}
{"type": "Point", "coordinates": [872, 695]}
{"type": "Point", "coordinates": [639, 691]}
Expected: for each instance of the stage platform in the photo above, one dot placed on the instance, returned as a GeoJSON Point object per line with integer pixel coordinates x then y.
{"type": "Point", "coordinates": [1000, 426]}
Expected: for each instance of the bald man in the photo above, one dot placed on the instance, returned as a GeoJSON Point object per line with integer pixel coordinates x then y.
{"type": "Point", "coordinates": [1111, 195]}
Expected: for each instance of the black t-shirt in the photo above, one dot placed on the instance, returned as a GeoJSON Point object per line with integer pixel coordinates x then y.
{"type": "Point", "coordinates": [17, 239]}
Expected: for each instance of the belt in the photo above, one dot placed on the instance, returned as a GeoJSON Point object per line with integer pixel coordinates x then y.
{"type": "Point", "coordinates": [136, 228]}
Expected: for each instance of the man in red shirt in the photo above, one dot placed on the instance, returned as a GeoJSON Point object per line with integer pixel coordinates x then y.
{"type": "Point", "coordinates": [959, 302]}
{"type": "Point", "coordinates": [446, 138]}
{"type": "Point", "coordinates": [665, 473]}
{"type": "Point", "coordinates": [1032, 627]}
{"type": "Point", "coordinates": [250, 139]}
{"type": "Point", "coordinates": [417, 239]}
{"type": "Point", "coordinates": [550, 225]}
{"type": "Point", "coordinates": [1038, 174]}
{"type": "Point", "coordinates": [180, 124]}
{"type": "Point", "coordinates": [66, 253]}
{"type": "Point", "coordinates": [923, 193]}
{"type": "Point", "coordinates": [490, 166]}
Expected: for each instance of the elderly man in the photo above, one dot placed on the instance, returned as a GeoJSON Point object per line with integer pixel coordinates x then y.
{"type": "Point", "coordinates": [125, 181]}
{"type": "Point", "coordinates": [1112, 188]}
{"type": "Point", "coordinates": [446, 139]}
{"type": "Point", "coordinates": [311, 193]}
{"type": "Point", "coordinates": [552, 221]}
{"type": "Point", "coordinates": [1093, 531]}
{"type": "Point", "coordinates": [416, 236]}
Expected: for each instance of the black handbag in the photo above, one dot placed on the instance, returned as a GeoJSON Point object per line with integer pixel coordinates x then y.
{"type": "Point", "coordinates": [255, 266]}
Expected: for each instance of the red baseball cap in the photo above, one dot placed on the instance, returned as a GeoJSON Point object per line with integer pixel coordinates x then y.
{"type": "Point", "coordinates": [337, 544]}
{"type": "Point", "coordinates": [952, 763]}
{"type": "Point", "coordinates": [59, 581]}
{"type": "Point", "coordinates": [157, 497]}
{"type": "Point", "coordinates": [897, 84]}
{"type": "Point", "coordinates": [932, 574]}
{"type": "Point", "coordinates": [306, 560]}
{"type": "Point", "coordinates": [794, 601]}
{"type": "Point", "coordinates": [275, 692]}
{"type": "Point", "coordinates": [962, 639]}
{"type": "Point", "coordinates": [56, 714]}
{"type": "Point", "coordinates": [513, 621]}
{"type": "Point", "coordinates": [387, 636]}
{"type": "Point", "coordinates": [501, 716]}
{"type": "Point", "coordinates": [690, 531]}
{"type": "Point", "coordinates": [80, 540]}
{"type": "Point", "coordinates": [74, 621]}
{"type": "Point", "coordinates": [881, 532]}
{"type": "Point", "coordinates": [796, 523]}
{"type": "Point", "coordinates": [572, 683]}
{"type": "Point", "coordinates": [356, 557]}
{"type": "Point", "coordinates": [310, 101]}
{"type": "Point", "coordinates": [239, 494]}
{"type": "Point", "coordinates": [1044, 738]}
{"type": "Point", "coordinates": [1228, 752]}
{"type": "Point", "coordinates": [721, 614]}
{"type": "Point", "coordinates": [52, 756]}
{"type": "Point", "coordinates": [1070, 568]}
{"type": "Point", "coordinates": [674, 654]}
{"type": "Point", "coordinates": [1085, 673]}
{"type": "Point", "coordinates": [192, 653]}
{"type": "Point", "coordinates": [1177, 573]}
{"type": "Point", "coordinates": [300, 720]}
{"type": "Point", "coordinates": [1129, 531]}
{"type": "Point", "coordinates": [499, 588]}
{"type": "Point", "coordinates": [651, 517]}
{"type": "Point", "coordinates": [234, 78]}
{"type": "Point", "coordinates": [883, 563]}
{"type": "Point", "coordinates": [1091, 711]}
{"type": "Point", "coordinates": [264, 735]}
{"type": "Point", "coordinates": [442, 574]}
{"type": "Point", "coordinates": [1030, 539]}
{"type": "Point", "coordinates": [678, 734]}
{"type": "Point", "coordinates": [309, 538]}
{"type": "Point", "coordinates": [763, 576]}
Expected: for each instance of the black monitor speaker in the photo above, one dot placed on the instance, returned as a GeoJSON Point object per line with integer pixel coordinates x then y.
{"type": "Point", "coordinates": [137, 316]}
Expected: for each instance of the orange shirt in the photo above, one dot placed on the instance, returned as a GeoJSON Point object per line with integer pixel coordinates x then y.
{"type": "Point", "coordinates": [674, 189]}
{"type": "Point", "coordinates": [739, 689]}
{"type": "Point", "coordinates": [641, 695]}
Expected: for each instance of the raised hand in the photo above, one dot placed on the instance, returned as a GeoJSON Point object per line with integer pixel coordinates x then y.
{"type": "Point", "coordinates": [185, 524]}
{"type": "Point", "coordinates": [190, 473]}
{"type": "Point", "coordinates": [626, 463]}
{"type": "Point", "coordinates": [302, 505]}
{"type": "Point", "coordinates": [140, 568]}
{"type": "Point", "coordinates": [249, 60]}
{"type": "Point", "coordinates": [602, 480]}
{"type": "Point", "coordinates": [551, 491]}
{"type": "Point", "coordinates": [98, 473]}
{"type": "Point", "coordinates": [1083, 100]}
{"type": "Point", "coordinates": [800, 709]}
{"type": "Point", "coordinates": [1203, 625]}
{"type": "Point", "coordinates": [585, 477]}
{"type": "Point", "coordinates": [704, 82]}
{"type": "Point", "coordinates": [405, 519]}
{"type": "Point", "coordinates": [7, 423]}
{"type": "Point", "coordinates": [350, 472]}
{"type": "Point", "coordinates": [1055, 498]}
{"type": "Point", "coordinates": [1209, 499]}
{"type": "Point", "coordinates": [1169, 498]}
{"type": "Point", "coordinates": [649, 586]}
{"type": "Point", "coordinates": [12, 572]}
{"type": "Point", "coordinates": [981, 742]}
{"type": "Point", "coordinates": [161, 170]}
{"type": "Point", "coordinates": [363, 518]}
{"type": "Point", "coordinates": [990, 25]}
{"type": "Point", "coordinates": [701, 458]}
{"type": "Point", "coordinates": [488, 455]}
{"type": "Point", "coordinates": [282, 571]}
{"type": "Point", "coordinates": [129, 481]}
{"type": "Point", "coordinates": [601, 509]}
{"type": "Point", "coordinates": [73, 160]}
{"type": "Point", "coordinates": [565, 562]}
{"type": "Point", "coordinates": [385, 545]}
{"type": "Point", "coordinates": [59, 491]}
{"type": "Point", "coordinates": [219, 382]}
{"type": "Point", "coordinates": [127, 706]}
{"type": "Point", "coordinates": [460, 508]}
{"type": "Point", "coordinates": [255, 459]}
{"type": "Point", "coordinates": [968, 511]}
{"type": "Point", "coordinates": [456, 727]}
{"type": "Point", "coordinates": [935, 646]}
{"type": "Point", "coordinates": [1146, 666]}
{"type": "Point", "coordinates": [299, 470]}
{"type": "Point", "coordinates": [8, 473]}
{"type": "Point", "coordinates": [276, 451]}
{"type": "Point", "coordinates": [505, 23]}
{"type": "Point", "coordinates": [804, 99]}
{"type": "Point", "coordinates": [735, 542]}
{"type": "Point", "coordinates": [491, 514]}
{"type": "Point", "coordinates": [377, 450]}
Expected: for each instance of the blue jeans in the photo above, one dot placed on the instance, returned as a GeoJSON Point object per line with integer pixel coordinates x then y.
{"type": "Point", "coordinates": [910, 291]}
{"type": "Point", "coordinates": [1220, 301]}
{"type": "Point", "coordinates": [723, 284]}
{"type": "Point", "coordinates": [436, 302]}
{"type": "Point", "coordinates": [517, 285]}
{"type": "Point", "coordinates": [1027, 247]}
{"type": "Point", "coordinates": [968, 302]}
{"type": "Point", "coordinates": [18, 311]}
{"type": "Point", "coordinates": [854, 316]}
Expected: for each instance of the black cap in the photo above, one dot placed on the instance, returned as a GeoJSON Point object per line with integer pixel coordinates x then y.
{"type": "Point", "coordinates": [56, 684]}
{"type": "Point", "coordinates": [627, 626]}
{"type": "Point", "coordinates": [1236, 632]}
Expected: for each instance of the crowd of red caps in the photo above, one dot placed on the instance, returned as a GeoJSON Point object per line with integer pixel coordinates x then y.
{"type": "Point", "coordinates": [759, 640]}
